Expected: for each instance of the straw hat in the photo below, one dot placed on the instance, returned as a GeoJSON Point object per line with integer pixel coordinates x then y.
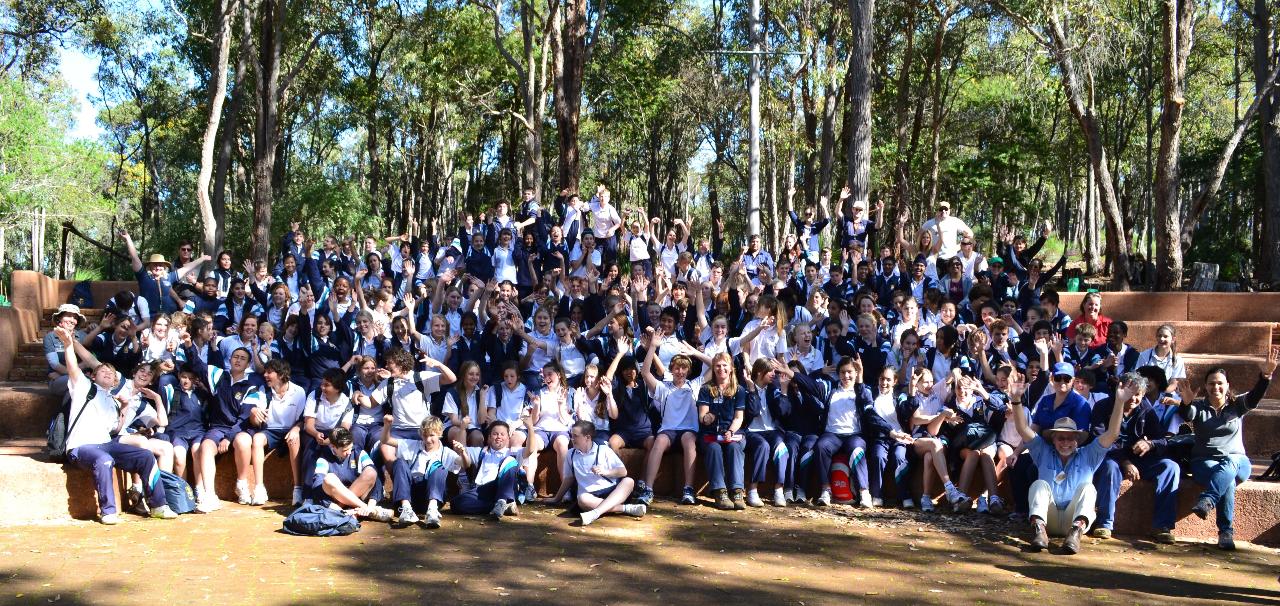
{"type": "Point", "coordinates": [1065, 425]}
{"type": "Point", "coordinates": [156, 259]}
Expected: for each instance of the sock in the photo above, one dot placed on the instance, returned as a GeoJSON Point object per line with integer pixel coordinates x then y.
{"type": "Point", "coordinates": [754, 494]}
{"type": "Point", "coordinates": [589, 516]}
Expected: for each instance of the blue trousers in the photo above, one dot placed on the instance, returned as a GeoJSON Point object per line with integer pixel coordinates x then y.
{"type": "Point", "coordinates": [1219, 477]}
{"type": "Point", "coordinates": [419, 492]}
{"type": "Point", "coordinates": [891, 455]}
{"type": "Point", "coordinates": [724, 461]}
{"type": "Point", "coordinates": [766, 446]}
{"type": "Point", "coordinates": [802, 454]}
{"type": "Point", "coordinates": [481, 499]}
{"type": "Point", "coordinates": [830, 444]}
{"type": "Point", "coordinates": [1163, 472]}
{"type": "Point", "coordinates": [102, 459]}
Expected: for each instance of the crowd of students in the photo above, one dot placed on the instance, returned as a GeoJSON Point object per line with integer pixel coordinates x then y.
{"type": "Point", "coordinates": [380, 367]}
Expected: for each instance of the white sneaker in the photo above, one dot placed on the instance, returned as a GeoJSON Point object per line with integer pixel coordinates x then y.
{"type": "Point", "coordinates": [955, 496]}
{"type": "Point", "coordinates": [244, 496]}
{"type": "Point", "coordinates": [209, 504]}
{"type": "Point", "coordinates": [635, 511]}
{"type": "Point", "coordinates": [926, 504]}
{"type": "Point", "coordinates": [877, 502]}
{"type": "Point", "coordinates": [433, 518]}
{"type": "Point", "coordinates": [110, 519]}
{"type": "Point", "coordinates": [982, 504]}
{"type": "Point", "coordinates": [378, 514]}
{"type": "Point", "coordinates": [753, 499]}
{"type": "Point", "coordinates": [908, 504]}
{"type": "Point", "coordinates": [779, 497]}
{"type": "Point", "coordinates": [790, 495]}
{"type": "Point", "coordinates": [824, 499]}
{"type": "Point", "coordinates": [864, 499]}
{"type": "Point", "coordinates": [200, 496]}
{"type": "Point", "coordinates": [163, 513]}
{"type": "Point", "coordinates": [259, 495]}
{"type": "Point", "coordinates": [407, 515]}
{"type": "Point", "coordinates": [297, 495]}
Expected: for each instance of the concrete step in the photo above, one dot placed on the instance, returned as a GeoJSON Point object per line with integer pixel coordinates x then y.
{"type": "Point", "coordinates": [26, 409]}
{"type": "Point", "coordinates": [1257, 510]}
{"type": "Point", "coordinates": [29, 375]}
{"type": "Point", "coordinates": [1232, 338]}
{"type": "Point", "coordinates": [1183, 306]}
{"type": "Point", "coordinates": [1262, 429]}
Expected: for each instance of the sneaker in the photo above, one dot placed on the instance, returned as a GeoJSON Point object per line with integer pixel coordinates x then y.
{"type": "Point", "coordinates": [407, 515]}
{"type": "Point", "coordinates": [877, 502]}
{"type": "Point", "coordinates": [687, 496]}
{"type": "Point", "coordinates": [200, 496]}
{"type": "Point", "coordinates": [824, 499]}
{"type": "Point", "coordinates": [645, 496]}
{"type": "Point", "coordinates": [1040, 539]}
{"type": "Point", "coordinates": [982, 504]}
{"type": "Point", "coordinates": [110, 519]}
{"type": "Point", "coordinates": [588, 517]}
{"type": "Point", "coordinates": [779, 497]}
{"type": "Point", "coordinates": [635, 511]}
{"type": "Point", "coordinates": [513, 509]}
{"type": "Point", "coordinates": [908, 504]}
{"type": "Point", "coordinates": [163, 513]}
{"type": "Point", "coordinates": [1071, 545]}
{"type": "Point", "coordinates": [1226, 540]}
{"type": "Point", "coordinates": [378, 514]}
{"type": "Point", "coordinates": [259, 495]}
{"type": "Point", "coordinates": [864, 500]}
{"type": "Point", "coordinates": [926, 504]}
{"type": "Point", "coordinates": [297, 495]}
{"type": "Point", "coordinates": [530, 494]}
{"type": "Point", "coordinates": [722, 500]}
{"type": "Point", "coordinates": [800, 495]}
{"type": "Point", "coordinates": [210, 504]}
{"type": "Point", "coordinates": [1100, 533]}
{"type": "Point", "coordinates": [1165, 536]}
{"type": "Point", "coordinates": [955, 496]}
{"type": "Point", "coordinates": [995, 505]}
{"type": "Point", "coordinates": [243, 495]}
{"type": "Point", "coordinates": [433, 518]}
{"type": "Point", "coordinates": [739, 502]}
{"type": "Point", "coordinates": [499, 509]}
{"type": "Point", "coordinates": [1203, 507]}
{"type": "Point", "coordinates": [753, 499]}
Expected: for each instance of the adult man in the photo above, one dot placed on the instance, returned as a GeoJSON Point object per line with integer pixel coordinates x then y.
{"type": "Point", "coordinates": [948, 229]}
{"type": "Point", "coordinates": [69, 318]}
{"type": "Point", "coordinates": [605, 222]}
{"type": "Point", "coordinates": [1140, 453]}
{"type": "Point", "coordinates": [753, 258]}
{"type": "Point", "coordinates": [1062, 498]}
{"type": "Point", "coordinates": [155, 284]}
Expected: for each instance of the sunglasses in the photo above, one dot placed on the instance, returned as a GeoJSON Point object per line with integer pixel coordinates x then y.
{"type": "Point", "coordinates": [1062, 378]}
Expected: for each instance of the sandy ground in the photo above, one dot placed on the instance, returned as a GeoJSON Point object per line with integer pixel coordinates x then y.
{"type": "Point", "coordinates": [676, 555]}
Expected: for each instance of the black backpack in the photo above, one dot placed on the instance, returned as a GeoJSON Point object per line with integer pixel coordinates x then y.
{"type": "Point", "coordinates": [56, 438]}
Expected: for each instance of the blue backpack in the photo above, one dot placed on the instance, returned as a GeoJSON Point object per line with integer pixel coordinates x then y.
{"type": "Point", "coordinates": [177, 493]}
{"type": "Point", "coordinates": [314, 520]}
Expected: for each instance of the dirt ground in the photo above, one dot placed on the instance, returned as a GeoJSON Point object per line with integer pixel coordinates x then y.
{"type": "Point", "coordinates": [675, 555]}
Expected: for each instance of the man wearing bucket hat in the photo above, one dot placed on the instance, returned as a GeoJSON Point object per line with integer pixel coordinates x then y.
{"type": "Point", "coordinates": [156, 277]}
{"type": "Point", "coordinates": [1062, 498]}
{"type": "Point", "coordinates": [68, 317]}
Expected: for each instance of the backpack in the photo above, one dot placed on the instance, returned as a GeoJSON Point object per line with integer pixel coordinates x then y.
{"type": "Point", "coordinates": [177, 493]}
{"type": "Point", "coordinates": [56, 437]}
{"type": "Point", "coordinates": [82, 295]}
{"type": "Point", "coordinates": [314, 520]}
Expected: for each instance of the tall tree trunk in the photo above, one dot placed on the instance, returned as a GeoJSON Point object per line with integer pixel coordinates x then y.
{"type": "Point", "coordinates": [1177, 18]}
{"type": "Point", "coordinates": [1264, 61]}
{"type": "Point", "coordinates": [573, 49]}
{"type": "Point", "coordinates": [266, 132]}
{"type": "Point", "coordinates": [222, 19]}
{"type": "Point", "coordinates": [230, 129]}
{"type": "Point", "coordinates": [862, 19]}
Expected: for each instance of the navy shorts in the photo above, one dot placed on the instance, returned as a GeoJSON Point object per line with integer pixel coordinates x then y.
{"type": "Point", "coordinates": [549, 437]}
{"type": "Point", "coordinates": [275, 436]}
{"type": "Point", "coordinates": [675, 434]}
{"type": "Point", "coordinates": [182, 439]}
{"type": "Point", "coordinates": [604, 492]}
{"type": "Point", "coordinates": [220, 433]}
{"type": "Point", "coordinates": [633, 439]}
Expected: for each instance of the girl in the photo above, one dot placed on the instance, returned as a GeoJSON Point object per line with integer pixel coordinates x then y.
{"type": "Point", "coordinates": [766, 441]}
{"type": "Point", "coordinates": [770, 342]}
{"type": "Point", "coordinates": [972, 434]}
{"type": "Point", "coordinates": [159, 342]}
{"type": "Point", "coordinates": [887, 432]}
{"type": "Point", "coordinates": [846, 403]}
{"type": "Point", "coordinates": [595, 403]}
{"type": "Point", "coordinates": [142, 418]}
{"type": "Point", "coordinates": [1164, 355]}
{"type": "Point", "coordinates": [721, 406]}
{"type": "Point", "coordinates": [550, 410]}
{"type": "Point", "coordinates": [184, 405]}
{"type": "Point", "coordinates": [570, 358]}
{"type": "Point", "coordinates": [420, 470]}
{"type": "Point", "coordinates": [539, 350]}
{"type": "Point", "coordinates": [365, 427]}
{"type": "Point", "coordinates": [505, 402]}
{"type": "Point", "coordinates": [327, 408]}
{"type": "Point", "coordinates": [462, 406]}
{"type": "Point", "coordinates": [1218, 460]}
{"type": "Point", "coordinates": [804, 352]}
{"type": "Point", "coordinates": [928, 441]}
{"type": "Point", "coordinates": [629, 412]}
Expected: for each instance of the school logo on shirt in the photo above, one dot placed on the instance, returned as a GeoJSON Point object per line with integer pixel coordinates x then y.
{"type": "Point", "coordinates": [239, 395]}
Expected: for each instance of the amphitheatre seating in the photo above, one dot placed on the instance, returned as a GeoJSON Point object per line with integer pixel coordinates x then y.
{"type": "Point", "coordinates": [1219, 329]}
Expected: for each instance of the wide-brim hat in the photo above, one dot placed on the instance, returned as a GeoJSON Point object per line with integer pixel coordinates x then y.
{"type": "Point", "coordinates": [69, 309]}
{"type": "Point", "coordinates": [156, 259]}
{"type": "Point", "coordinates": [1065, 425]}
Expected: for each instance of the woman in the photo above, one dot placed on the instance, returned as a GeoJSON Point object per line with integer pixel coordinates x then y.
{"type": "Point", "coordinates": [721, 406]}
{"type": "Point", "coordinates": [1091, 314]}
{"type": "Point", "coordinates": [462, 407]}
{"type": "Point", "coordinates": [955, 285]}
{"type": "Point", "coordinates": [1218, 460]}
{"type": "Point", "coordinates": [594, 402]}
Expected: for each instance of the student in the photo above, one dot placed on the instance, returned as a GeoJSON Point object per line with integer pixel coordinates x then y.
{"type": "Point", "coordinates": [492, 469]}
{"type": "Point", "coordinates": [594, 402]}
{"type": "Point", "coordinates": [721, 406]}
{"type": "Point", "coordinates": [551, 411]}
{"type": "Point", "coordinates": [506, 402]}
{"type": "Point", "coordinates": [1164, 355]}
{"type": "Point", "coordinates": [276, 422]}
{"type": "Point", "coordinates": [408, 394]}
{"type": "Point", "coordinates": [345, 477]}
{"type": "Point", "coordinates": [765, 438]}
{"type": "Point", "coordinates": [235, 390]}
{"type": "Point", "coordinates": [630, 422]}
{"type": "Point", "coordinates": [972, 436]}
{"type": "Point", "coordinates": [420, 470]}
{"type": "Point", "coordinates": [1218, 460]}
{"type": "Point", "coordinates": [888, 421]}
{"type": "Point", "coordinates": [674, 399]}
{"type": "Point", "coordinates": [92, 419]}
{"type": "Point", "coordinates": [846, 402]}
{"type": "Point", "coordinates": [184, 403]}
{"type": "Point", "coordinates": [463, 405]}
{"type": "Point", "coordinates": [598, 475]}
{"type": "Point", "coordinates": [929, 442]}
{"type": "Point", "coordinates": [327, 408]}
{"type": "Point", "coordinates": [365, 426]}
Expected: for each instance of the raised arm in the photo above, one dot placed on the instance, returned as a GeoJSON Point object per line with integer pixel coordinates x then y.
{"type": "Point", "coordinates": [1123, 394]}
{"type": "Point", "coordinates": [1017, 386]}
{"type": "Point", "coordinates": [650, 381]}
{"type": "Point", "coordinates": [133, 251]}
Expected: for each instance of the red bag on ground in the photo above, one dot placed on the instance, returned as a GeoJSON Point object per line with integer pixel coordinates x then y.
{"type": "Point", "coordinates": [840, 489]}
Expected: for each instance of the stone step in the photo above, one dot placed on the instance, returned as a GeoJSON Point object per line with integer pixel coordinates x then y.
{"type": "Point", "coordinates": [1233, 338]}
{"type": "Point", "coordinates": [1182, 306]}
{"type": "Point", "coordinates": [26, 409]}
{"type": "Point", "coordinates": [29, 375]}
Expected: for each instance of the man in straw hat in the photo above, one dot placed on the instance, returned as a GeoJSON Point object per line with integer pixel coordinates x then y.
{"type": "Point", "coordinates": [156, 277]}
{"type": "Point", "coordinates": [1062, 498]}
{"type": "Point", "coordinates": [68, 317]}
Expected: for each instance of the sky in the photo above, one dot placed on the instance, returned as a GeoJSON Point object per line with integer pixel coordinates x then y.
{"type": "Point", "coordinates": [79, 69]}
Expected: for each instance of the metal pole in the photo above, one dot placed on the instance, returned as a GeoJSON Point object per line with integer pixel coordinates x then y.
{"type": "Point", "coordinates": [753, 198]}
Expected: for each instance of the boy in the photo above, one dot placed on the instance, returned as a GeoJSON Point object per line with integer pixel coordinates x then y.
{"type": "Point", "coordinates": [420, 470]}
{"type": "Point", "coordinates": [599, 476]}
{"type": "Point", "coordinates": [344, 477]}
{"type": "Point", "coordinates": [493, 471]}
{"type": "Point", "coordinates": [675, 400]}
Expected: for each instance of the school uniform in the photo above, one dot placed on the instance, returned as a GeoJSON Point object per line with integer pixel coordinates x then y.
{"type": "Point", "coordinates": [186, 416]}
{"type": "Point", "coordinates": [409, 401]}
{"type": "Point", "coordinates": [347, 470]}
{"type": "Point", "coordinates": [284, 412]}
{"type": "Point", "coordinates": [493, 477]}
{"type": "Point", "coordinates": [765, 438]}
{"type": "Point", "coordinates": [91, 419]}
{"type": "Point", "coordinates": [451, 407]}
{"type": "Point", "coordinates": [580, 466]}
{"type": "Point", "coordinates": [1142, 423]}
{"type": "Point", "coordinates": [366, 425]}
{"type": "Point", "coordinates": [633, 424]}
{"type": "Point", "coordinates": [843, 433]}
{"type": "Point", "coordinates": [328, 415]}
{"type": "Point", "coordinates": [419, 476]}
{"type": "Point", "coordinates": [805, 423]}
{"type": "Point", "coordinates": [888, 413]}
{"type": "Point", "coordinates": [676, 405]}
{"type": "Point", "coordinates": [553, 422]}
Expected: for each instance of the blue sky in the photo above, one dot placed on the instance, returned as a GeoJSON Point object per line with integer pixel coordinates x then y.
{"type": "Point", "coordinates": [79, 70]}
